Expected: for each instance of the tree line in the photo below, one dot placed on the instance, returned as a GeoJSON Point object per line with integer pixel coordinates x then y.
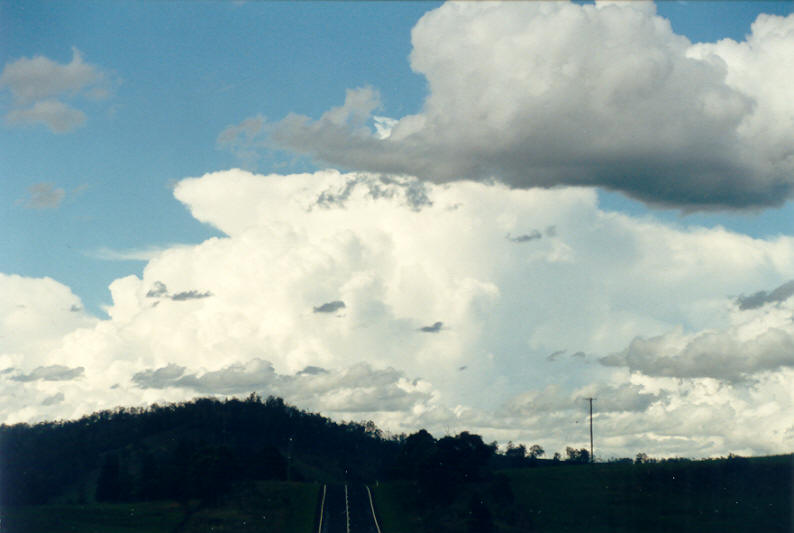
{"type": "Point", "coordinates": [198, 449]}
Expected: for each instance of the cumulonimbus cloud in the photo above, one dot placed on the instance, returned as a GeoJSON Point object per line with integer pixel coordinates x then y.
{"type": "Point", "coordinates": [291, 243]}
{"type": "Point", "coordinates": [538, 94]}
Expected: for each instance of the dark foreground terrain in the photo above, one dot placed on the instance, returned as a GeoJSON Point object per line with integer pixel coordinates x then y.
{"type": "Point", "coordinates": [725, 495]}
{"type": "Point", "coordinates": [254, 465]}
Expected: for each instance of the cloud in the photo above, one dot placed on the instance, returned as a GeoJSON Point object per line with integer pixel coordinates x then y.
{"type": "Point", "coordinates": [359, 388]}
{"type": "Point", "coordinates": [39, 85]}
{"type": "Point", "coordinates": [313, 370]}
{"type": "Point", "coordinates": [39, 78]}
{"type": "Point", "coordinates": [158, 289]}
{"type": "Point", "coordinates": [51, 373]}
{"type": "Point", "coordinates": [135, 254]}
{"type": "Point", "coordinates": [610, 398]}
{"type": "Point", "coordinates": [412, 191]}
{"type": "Point", "coordinates": [703, 126]}
{"type": "Point", "coordinates": [244, 139]}
{"type": "Point", "coordinates": [554, 355]}
{"type": "Point", "coordinates": [526, 237]}
{"type": "Point", "coordinates": [190, 295]}
{"type": "Point", "coordinates": [158, 378]}
{"type": "Point", "coordinates": [604, 280]}
{"type": "Point", "coordinates": [435, 328]}
{"type": "Point", "coordinates": [57, 116]}
{"type": "Point", "coordinates": [731, 355]}
{"type": "Point", "coordinates": [54, 399]}
{"type": "Point", "coordinates": [330, 307]}
{"type": "Point", "coordinates": [44, 196]}
{"type": "Point", "coordinates": [761, 298]}
{"type": "Point", "coordinates": [35, 314]}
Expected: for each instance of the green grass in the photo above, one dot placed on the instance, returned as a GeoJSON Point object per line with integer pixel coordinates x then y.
{"type": "Point", "coordinates": [149, 517]}
{"type": "Point", "coordinates": [392, 503]}
{"type": "Point", "coordinates": [719, 496]}
{"type": "Point", "coordinates": [268, 506]}
{"type": "Point", "coordinates": [702, 497]}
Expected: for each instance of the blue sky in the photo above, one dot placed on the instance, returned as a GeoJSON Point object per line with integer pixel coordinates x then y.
{"type": "Point", "coordinates": [180, 73]}
{"type": "Point", "coordinates": [109, 106]}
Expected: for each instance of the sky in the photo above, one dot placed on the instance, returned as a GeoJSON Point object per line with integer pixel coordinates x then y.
{"type": "Point", "coordinates": [462, 216]}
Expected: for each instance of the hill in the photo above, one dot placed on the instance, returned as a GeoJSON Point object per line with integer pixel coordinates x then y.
{"type": "Point", "coordinates": [259, 465]}
{"type": "Point", "coordinates": [181, 451]}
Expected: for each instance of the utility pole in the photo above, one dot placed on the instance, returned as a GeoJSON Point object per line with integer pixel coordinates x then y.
{"type": "Point", "coordinates": [592, 457]}
{"type": "Point", "coordinates": [289, 459]}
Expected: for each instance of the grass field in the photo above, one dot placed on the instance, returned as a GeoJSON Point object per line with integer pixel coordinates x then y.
{"type": "Point", "coordinates": [259, 507]}
{"type": "Point", "coordinates": [702, 497]}
{"type": "Point", "coordinates": [148, 517]}
{"type": "Point", "coordinates": [268, 506]}
{"type": "Point", "coordinates": [741, 495]}
{"type": "Point", "coordinates": [390, 500]}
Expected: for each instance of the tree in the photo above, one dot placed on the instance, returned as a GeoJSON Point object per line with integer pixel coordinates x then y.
{"type": "Point", "coordinates": [516, 454]}
{"type": "Point", "coordinates": [581, 456]}
{"type": "Point", "coordinates": [536, 451]}
{"type": "Point", "coordinates": [108, 487]}
{"type": "Point", "coordinates": [267, 463]}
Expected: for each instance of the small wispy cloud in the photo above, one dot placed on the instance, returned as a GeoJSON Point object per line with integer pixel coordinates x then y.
{"type": "Point", "coordinates": [133, 254]}
{"type": "Point", "coordinates": [54, 399]}
{"type": "Point", "coordinates": [526, 237]}
{"type": "Point", "coordinates": [190, 295]}
{"type": "Point", "coordinates": [554, 355]}
{"type": "Point", "coordinates": [160, 290]}
{"type": "Point", "coordinates": [761, 298]}
{"type": "Point", "coordinates": [435, 328]}
{"type": "Point", "coordinates": [44, 195]}
{"type": "Point", "coordinates": [51, 373]}
{"type": "Point", "coordinates": [330, 307]}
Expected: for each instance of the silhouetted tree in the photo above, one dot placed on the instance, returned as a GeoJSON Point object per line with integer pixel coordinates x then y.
{"type": "Point", "coordinates": [536, 451]}
{"type": "Point", "coordinates": [267, 463]}
{"type": "Point", "coordinates": [211, 471]}
{"type": "Point", "coordinates": [581, 456]}
{"type": "Point", "coordinates": [108, 487]}
{"type": "Point", "coordinates": [515, 455]}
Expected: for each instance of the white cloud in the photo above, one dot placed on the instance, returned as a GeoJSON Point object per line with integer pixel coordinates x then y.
{"type": "Point", "coordinates": [355, 389]}
{"type": "Point", "coordinates": [403, 257]}
{"type": "Point", "coordinates": [35, 313]}
{"type": "Point", "coordinates": [39, 85]}
{"type": "Point", "coordinates": [135, 254]}
{"type": "Point", "coordinates": [762, 343]}
{"type": "Point", "coordinates": [556, 93]}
